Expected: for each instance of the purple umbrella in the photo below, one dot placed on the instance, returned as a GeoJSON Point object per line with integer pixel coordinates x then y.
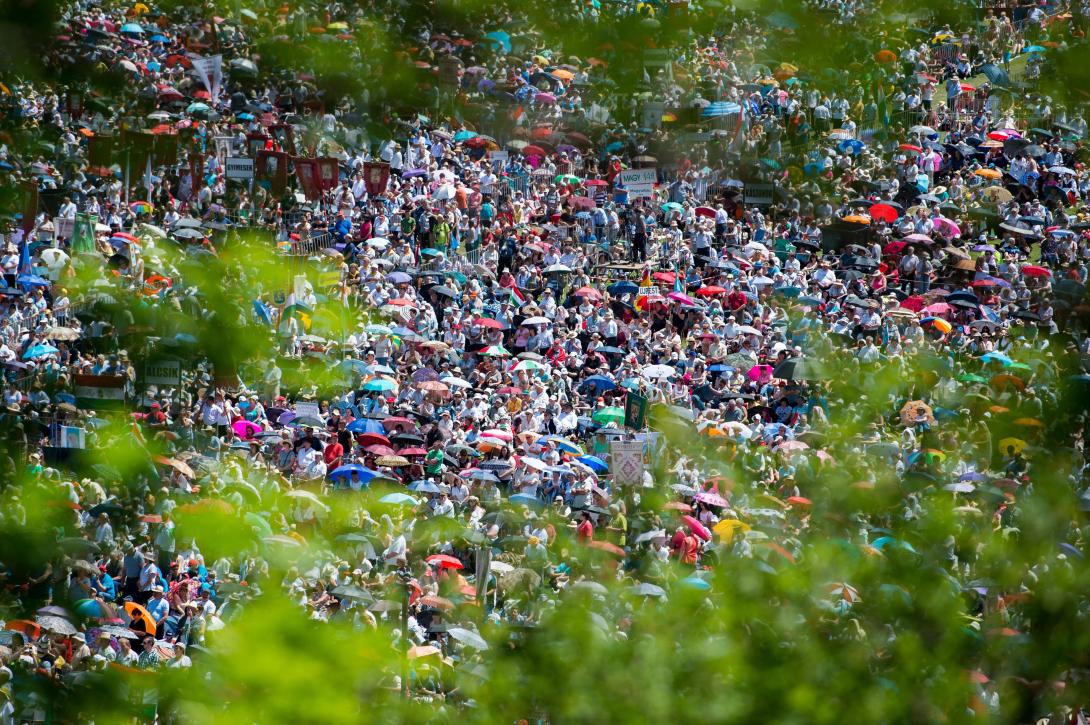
{"type": "Point", "coordinates": [412, 173]}
{"type": "Point", "coordinates": [424, 375]}
{"type": "Point", "coordinates": [486, 85]}
{"type": "Point", "coordinates": [286, 417]}
{"type": "Point", "coordinates": [547, 98]}
{"type": "Point", "coordinates": [398, 278]}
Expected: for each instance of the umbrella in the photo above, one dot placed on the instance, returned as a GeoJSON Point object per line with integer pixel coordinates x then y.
{"type": "Point", "coordinates": [913, 409]}
{"type": "Point", "coordinates": [141, 615]}
{"type": "Point", "coordinates": [443, 561]}
{"type": "Point", "coordinates": [399, 499]}
{"type": "Point", "coordinates": [56, 625]}
{"type": "Point", "coordinates": [353, 592]}
{"type": "Point", "coordinates": [467, 637]}
{"type": "Point", "coordinates": [608, 415]}
{"type": "Point", "coordinates": [696, 527]}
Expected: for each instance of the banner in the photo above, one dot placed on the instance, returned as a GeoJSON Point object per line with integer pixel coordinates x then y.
{"type": "Point", "coordinates": [639, 183]}
{"type": "Point", "coordinates": [95, 391]}
{"type": "Point", "coordinates": [165, 149]}
{"type": "Point", "coordinates": [30, 209]}
{"type": "Point", "coordinates": [635, 411]}
{"type": "Point", "coordinates": [210, 72]}
{"type": "Point", "coordinates": [285, 137]}
{"type": "Point", "coordinates": [136, 150]}
{"type": "Point", "coordinates": [272, 171]}
{"type": "Point", "coordinates": [83, 233]}
{"type": "Point", "coordinates": [306, 171]}
{"type": "Point", "coordinates": [100, 150]}
{"type": "Point", "coordinates": [256, 143]}
{"type": "Point", "coordinates": [329, 173]}
{"type": "Point", "coordinates": [626, 462]}
{"type": "Point", "coordinates": [375, 177]}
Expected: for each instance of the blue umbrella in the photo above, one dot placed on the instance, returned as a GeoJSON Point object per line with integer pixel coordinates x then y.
{"type": "Point", "coordinates": [1035, 49]}
{"type": "Point", "coordinates": [159, 38]}
{"type": "Point", "coordinates": [131, 28]}
{"type": "Point", "coordinates": [464, 136]}
{"type": "Point", "coordinates": [365, 425]}
{"type": "Point", "coordinates": [398, 278]}
{"type": "Point", "coordinates": [996, 357]}
{"type": "Point", "coordinates": [354, 366]}
{"type": "Point", "coordinates": [32, 280]}
{"type": "Point", "coordinates": [423, 487]}
{"type": "Point", "coordinates": [850, 145]}
{"type": "Point", "coordinates": [720, 368]}
{"type": "Point", "coordinates": [39, 351]}
{"type": "Point", "coordinates": [600, 382]}
{"type": "Point", "coordinates": [245, 116]}
{"type": "Point", "coordinates": [379, 385]}
{"type": "Point", "coordinates": [595, 463]}
{"type": "Point", "coordinates": [346, 472]}
{"type": "Point", "coordinates": [501, 39]}
{"type": "Point", "coordinates": [623, 288]}
{"type": "Point", "coordinates": [614, 146]}
{"type": "Point", "coordinates": [525, 499]}
{"type": "Point", "coordinates": [694, 582]}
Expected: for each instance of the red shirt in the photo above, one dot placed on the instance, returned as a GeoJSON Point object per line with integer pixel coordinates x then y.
{"type": "Point", "coordinates": [584, 532]}
{"type": "Point", "coordinates": [332, 454]}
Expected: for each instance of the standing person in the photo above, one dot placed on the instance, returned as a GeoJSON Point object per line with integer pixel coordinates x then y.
{"type": "Point", "coordinates": [639, 235]}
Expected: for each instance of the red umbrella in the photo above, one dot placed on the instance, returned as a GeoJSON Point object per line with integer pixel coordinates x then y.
{"type": "Point", "coordinates": [910, 147]}
{"type": "Point", "coordinates": [488, 322]}
{"type": "Point", "coordinates": [588, 292]}
{"type": "Point", "coordinates": [412, 451]}
{"type": "Point", "coordinates": [1032, 270]}
{"type": "Point", "coordinates": [711, 291]}
{"type": "Point", "coordinates": [607, 547]}
{"type": "Point", "coordinates": [372, 439]}
{"type": "Point", "coordinates": [444, 561]}
{"type": "Point", "coordinates": [398, 422]}
{"type": "Point", "coordinates": [914, 303]}
{"type": "Point", "coordinates": [664, 277]}
{"type": "Point", "coordinates": [894, 248]}
{"type": "Point", "coordinates": [705, 211]}
{"type": "Point", "coordinates": [697, 528]}
{"type": "Point", "coordinates": [581, 202]}
{"type": "Point", "coordinates": [533, 150]}
{"type": "Point", "coordinates": [595, 182]}
{"type": "Point", "coordinates": [884, 213]}
{"type": "Point", "coordinates": [378, 449]}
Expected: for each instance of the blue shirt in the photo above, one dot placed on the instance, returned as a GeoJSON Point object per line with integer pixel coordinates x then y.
{"type": "Point", "coordinates": [158, 609]}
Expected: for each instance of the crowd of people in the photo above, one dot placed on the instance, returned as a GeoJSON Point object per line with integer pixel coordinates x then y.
{"type": "Point", "coordinates": [503, 366]}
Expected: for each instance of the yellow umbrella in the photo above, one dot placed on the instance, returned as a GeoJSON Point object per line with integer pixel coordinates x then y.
{"type": "Point", "coordinates": [727, 528]}
{"type": "Point", "coordinates": [1029, 422]}
{"type": "Point", "coordinates": [1007, 443]}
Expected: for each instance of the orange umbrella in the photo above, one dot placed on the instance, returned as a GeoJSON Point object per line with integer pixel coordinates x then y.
{"type": "Point", "coordinates": [857, 219]}
{"type": "Point", "coordinates": [885, 56]}
{"type": "Point", "coordinates": [1003, 380]}
{"type": "Point", "coordinates": [989, 173]}
{"type": "Point", "coordinates": [139, 614]}
{"type": "Point", "coordinates": [607, 547]}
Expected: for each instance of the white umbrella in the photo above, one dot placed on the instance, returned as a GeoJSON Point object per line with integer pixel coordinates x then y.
{"type": "Point", "coordinates": [54, 258]}
{"type": "Point", "coordinates": [535, 463]}
{"type": "Point", "coordinates": [538, 320]}
{"type": "Point", "coordinates": [444, 192]}
{"type": "Point", "coordinates": [100, 227]}
{"type": "Point", "coordinates": [500, 567]}
{"type": "Point", "coordinates": [761, 280]}
{"type": "Point", "coordinates": [655, 372]}
{"type": "Point", "coordinates": [963, 487]}
{"type": "Point", "coordinates": [378, 242]}
{"type": "Point", "coordinates": [153, 230]}
{"type": "Point", "coordinates": [1062, 170]}
{"type": "Point", "coordinates": [456, 382]}
{"type": "Point", "coordinates": [556, 268]}
{"type": "Point", "coordinates": [747, 330]}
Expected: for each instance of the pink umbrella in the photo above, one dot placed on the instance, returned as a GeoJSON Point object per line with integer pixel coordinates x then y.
{"type": "Point", "coordinates": [760, 372]}
{"type": "Point", "coordinates": [503, 435]}
{"type": "Point", "coordinates": [682, 298]}
{"type": "Point", "coordinates": [792, 446]}
{"type": "Point", "coordinates": [918, 238]}
{"type": "Point", "coordinates": [939, 308]}
{"type": "Point", "coordinates": [712, 499]}
{"type": "Point", "coordinates": [245, 429]}
{"type": "Point", "coordinates": [697, 528]}
{"type": "Point", "coordinates": [946, 226]}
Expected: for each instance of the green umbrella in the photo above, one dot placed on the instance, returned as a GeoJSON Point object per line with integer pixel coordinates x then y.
{"type": "Point", "coordinates": [972, 378]}
{"type": "Point", "coordinates": [568, 179]}
{"type": "Point", "coordinates": [608, 415]}
{"type": "Point", "coordinates": [672, 206]}
{"type": "Point", "coordinates": [197, 107]}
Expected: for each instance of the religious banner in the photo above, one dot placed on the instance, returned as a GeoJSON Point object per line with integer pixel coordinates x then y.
{"type": "Point", "coordinates": [329, 172]}
{"type": "Point", "coordinates": [255, 143]}
{"type": "Point", "coordinates": [306, 171]}
{"type": "Point", "coordinates": [272, 171]}
{"type": "Point", "coordinates": [285, 137]}
{"type": "Point", "coordinates": [375, 177]}
{"type": "Point", "coordinates": [100, 150]}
